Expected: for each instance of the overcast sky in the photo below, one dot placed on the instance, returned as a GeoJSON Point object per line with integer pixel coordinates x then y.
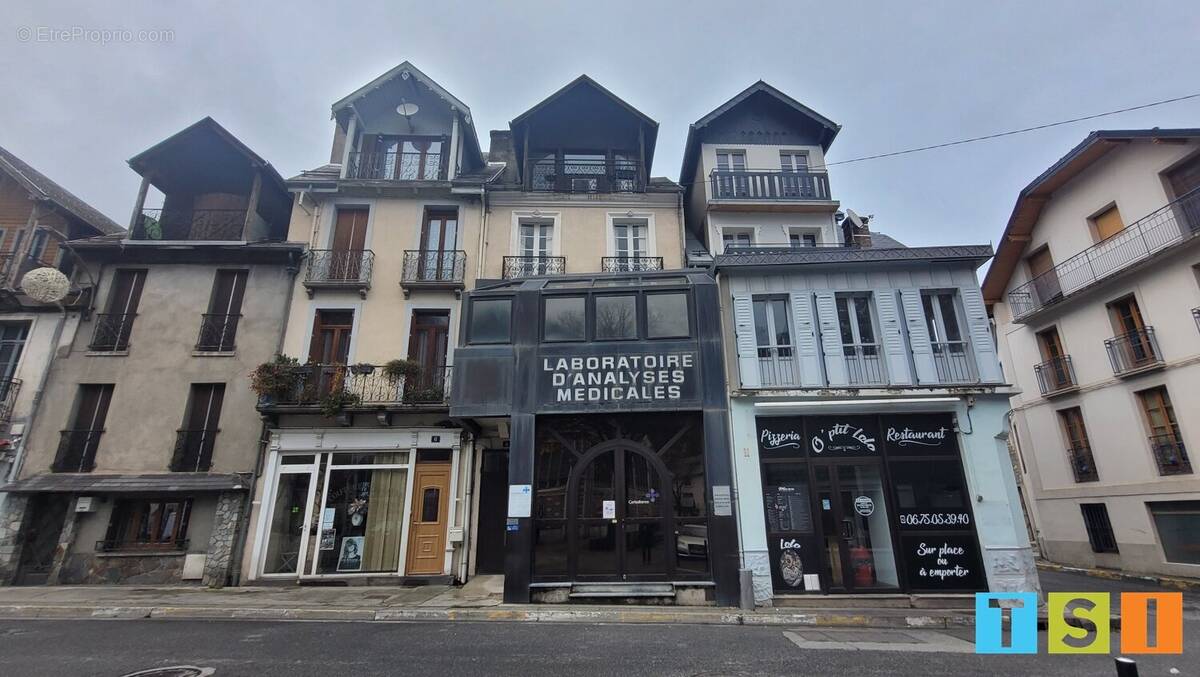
{"type": "Point", "coordinates": [893, 74]}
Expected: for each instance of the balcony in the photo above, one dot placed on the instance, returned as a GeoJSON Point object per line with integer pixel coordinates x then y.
{"type": "Point", "coordinates": [9, 390]}
{"type": "Point", "coordinates": [598, 175]}
{"type": "Point", "coordinates": [339, 269]}
{"type": "Point", "coordinates": [1056, 376]}
{"type": "Point", "coordinates": [516, 267]}
{"type": "Point", "coordinates": [1134, 352]}
{"type": "Point", "coordinates": [1170, 454]}
{"type": "Point", "coordinates": [777, 366]}
{"type": "Point", "coordinates": [111, 333]}
{"type": "Point", "coordinates": [77, 451]}
{"type": "Point", "coordinates": [193, 450]}
{"type": "Point", "coordinates": [954, 362]}
{"type": "Point", "coordinates": [1082, 464]}
{"type": "Point", "coordinates": [217, 333]}
{"type": "Point", "coordinates": [864, 365]}
{"type": "Point", "coordinates": [363, 385]}
{"type": "Point", "coordinates": [1168, 227]}
{"type": "Point", "coordinates": [195, 225]}
{"type": "Point", "coordinates": [770, 185]}
{"type": "Point", "coordinates": [630, 264]}
{"type": "Point", "coordinates": [396, 166]}
{"type": "Point", "coordinates": [433, 270]}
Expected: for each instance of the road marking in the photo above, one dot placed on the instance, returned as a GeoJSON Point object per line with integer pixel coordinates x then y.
{"type": "Point", "coordinates": [926, 641]}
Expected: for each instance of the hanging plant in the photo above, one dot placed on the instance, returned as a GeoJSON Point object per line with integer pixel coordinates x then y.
{"type": "Point", "coordinates": [362, 368]}
{"type": "Point", "coordinates": [275, 379]}
{"type": "Point", "coordinates": [337, 401]}
{"type": "Point", "coordinates": [398, 369]}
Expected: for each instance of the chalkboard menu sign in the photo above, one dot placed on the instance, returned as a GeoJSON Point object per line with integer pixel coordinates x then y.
{"type": "Point", "coordinates": [788, 509]}
{"type": "Point", "coordinates": [791, 558]}
{"type": "Point", "coordinates": [920, 435]}
{"type": "Point", "coordinates": [843, 436]}
{"type": "Point", "coordinates": [941, 562]}
{"type": "Point", "coordinates": [781, 437]}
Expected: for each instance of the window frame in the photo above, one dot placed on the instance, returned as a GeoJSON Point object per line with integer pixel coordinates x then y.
{"type": "Point", "coordinates": [937, 323]}
{"type": "Point", "coordinates": [129, 514]}
{"type": "Point", "coordinates": [638, 312]}
{"type": "Point", "coordinates": [587, 321]}
{"type": "Point", "coordinates": [852, 312]}
{"type": "Point", "coordinates": [688, 313]}
{"type": "Point", "coordinates": [471, 340]}
{"type": "Point", "coordinates": [1098, 526]}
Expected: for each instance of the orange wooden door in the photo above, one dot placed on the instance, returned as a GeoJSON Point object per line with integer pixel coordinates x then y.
{"type": "Point", "coordinates": [427, 528]}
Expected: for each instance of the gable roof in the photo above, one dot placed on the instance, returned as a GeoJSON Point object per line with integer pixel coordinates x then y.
{"type": "Point", "coordinates": [41, 187]}
{"type": "Point", "coordinates": [577, 82]}
{"type": "Point", "coordinates": [1033, 197]}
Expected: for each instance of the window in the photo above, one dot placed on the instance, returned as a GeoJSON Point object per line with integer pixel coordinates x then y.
{"type": "Point", "coordinates": [1134, 345]}
{"type": "Point", "coordinates": [799, 239]}
{"type": "Point", "coordinates": [401, 158]}
{"type": "Point", "coordinates": [667, 316]}
{"type": "Point", "coordinates": [77, 448]}
{"type": "Point", "coordinates": [729, 164]}
{"type": "Point", "coordinates": [195, 440]}
{"type": "Point", "coordinates": [857, 328]}
{"type": "Point", "coordinates": [731, 160]}
{"type": "Point", "coordinates": [630, 238]}
{"type": "Point", "coordinates": [37, 247]}
{"type": "Point", "coordinates": [1099, 529]}
{"type": "Point", "coordinates": [12, 343]}
{"type": "Point", "coordinates": [430, 501]}
{"type": "Point", "coordinates": [1108, 223]}
{"type": "Point", "coordinates": [1079, 450]}
{"type": "Point", "coordinates": [157, 524]}
{"type": "Point", "coordinates": [1043, 276]}
{"type": "Point", "coordinates": [1165, 439]}
{"type": "Point", "coordinates": [950, 355]}
{"type": "Point", "coordinates": [115, 324]}
{"type": "Point", "coordinates": [491, 321]}
{"type": "Point", "coordinates": [536, 238]}
{"type": "Point", "coordinates": [616, 318]}
{"type": "Point", "coordinates": [565, 318]}
{"type": "Point", "coordinates": [774, 339]}
{"type": "Point", "coordinates": [737, 238]}
{"type": "Point", "coordinates": [331, 334]}
{"type": "Point", "coordinates": [793, 161]}
{"type": "Point", "coordinates": [218, 327]}
{"type": "Point", "coordinates": [1055, 371]}
{"type": "Point", "coordinates": [438, 258]}
{"type": "Point", "coordinates": [1177, 523]}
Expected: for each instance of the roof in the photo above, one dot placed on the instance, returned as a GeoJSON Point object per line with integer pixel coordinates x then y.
{"type": "Point", "coordinates": [884, 241]}
{"type": "Point", "coordinates": [691, 146]}
{"type": "Point", "coordinates": [143, 160]}
{"type": "Point", "coordinates": [785, 255]}
{"type": "Point", "coordinates": [331, 174]}
{"type": "Point", "coordinates": [1033, 197]}
{"type": "Point", "coordinates": [581, 80]}
{"type": "Point", "coordinates": [97, 483]}
{"type": "Point", "coordinates": [39, 185]}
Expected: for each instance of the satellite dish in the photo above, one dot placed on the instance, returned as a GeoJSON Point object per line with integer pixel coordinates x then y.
{"type": "Point", "coordinates": [854, 219]}
{"type": "Point", "coordinates": [46, 285]}
{"type": "Point", "coordinates": [408, 109]}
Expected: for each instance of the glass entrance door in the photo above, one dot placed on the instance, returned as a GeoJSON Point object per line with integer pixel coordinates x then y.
{"type": "Point", "coordinates": [856, 531]}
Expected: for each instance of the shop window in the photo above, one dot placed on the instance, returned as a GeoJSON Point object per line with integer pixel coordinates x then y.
{"type": "Point", "coordinates": [616, 317]}
{"type": "Point", "coordinates": [667, 316]}
{"type": "Point", "coordinates": [491, 321]}
{"type": "Point", "coordinates": [363, 513]}
{"type": "Point", "coordinates": [155, 524]}
{"type": "Point", "coordinates": [1177, 523]}
{"type": "Point", "coordinates": [1099, 529]}
{"type": "Point", "coordinates": [565, 318]}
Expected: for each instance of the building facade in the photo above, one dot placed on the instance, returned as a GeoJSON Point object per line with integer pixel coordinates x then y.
{"type": "Point", "coordinates": [866, 402]}
{"type": "Point", "coordinates": [1095, 297]}
{"type": "Point", "coordinates": [139, 464]}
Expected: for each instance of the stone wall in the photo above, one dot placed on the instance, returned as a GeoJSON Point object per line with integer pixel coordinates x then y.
{"type": "Point", "coordinates": [146, 569]}
{"type": "Point", "coordinates": [226, 520]}
{"type": "Point", "coordinates": [10, 530]}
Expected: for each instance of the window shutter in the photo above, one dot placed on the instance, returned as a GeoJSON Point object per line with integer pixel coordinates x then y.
{"type": "Point", "coordinates": [892, 335]}
{"type": "Point", "coordinates": [747, 346]}
{"type": "Point", "coordinates": [831, 339]}
{"type": "Point", "coordinates": [808, 354]}
{"type": "Point", "coordinates": [981, 336]}
{"type": "Point", "coordinates": [918, 336]}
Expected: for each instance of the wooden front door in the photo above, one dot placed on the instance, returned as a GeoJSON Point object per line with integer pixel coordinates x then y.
{"type": "Point", "coordinates": [349, 241]}
{"type": "Point", "coordinates": [427, 528]}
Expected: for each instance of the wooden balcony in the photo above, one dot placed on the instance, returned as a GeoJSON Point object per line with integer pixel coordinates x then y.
{"type": "Point", "coordinates": [193, 225]}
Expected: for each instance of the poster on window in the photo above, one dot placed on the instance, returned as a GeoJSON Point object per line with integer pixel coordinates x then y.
{"type": "Point", "coordinates": [350, 558]}
{"type": "Point", "coordinates": [942, 562]}
{"type": "Point", "coordinates": [792, 557]}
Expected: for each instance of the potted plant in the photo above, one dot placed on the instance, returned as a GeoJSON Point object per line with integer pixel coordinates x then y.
{"type": "Point", "coordinates": [399, 369]}
{"type": "Point", "coordinates": [334, 404]}
{"type": "Point", "coordinates": [275, 380]}
{"type": "Point", "coordinates": [362, 368]}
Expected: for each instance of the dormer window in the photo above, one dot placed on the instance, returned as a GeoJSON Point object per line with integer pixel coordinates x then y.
{"type": "Point", "coordinates": [399, 158]}
{"type": "Point", "coordinates": [793, 161]}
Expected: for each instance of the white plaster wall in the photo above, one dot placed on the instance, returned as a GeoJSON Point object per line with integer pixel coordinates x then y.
{"type": "Point", "coordinates": [772, 227]}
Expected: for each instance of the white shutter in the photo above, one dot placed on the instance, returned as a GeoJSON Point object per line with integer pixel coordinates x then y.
{"type": "Point", "coordinates": [808, 355]}
{"type": "Point", "coordinates": [892, 336]}
{"type": "Point", "coordinates": [831, 339]}
{"type": "Point", "coordinates": [747, 344]}
{"type": "Point", "coordinates": [918, 336]}
{"type": "Point", "coordinates": [981, 336]}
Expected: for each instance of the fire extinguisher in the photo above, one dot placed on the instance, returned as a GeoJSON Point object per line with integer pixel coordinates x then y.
{"type": "Point", "coordinates": [860, 562]}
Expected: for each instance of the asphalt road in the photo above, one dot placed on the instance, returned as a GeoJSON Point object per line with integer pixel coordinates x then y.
{"type": "Point", "coordinates": [297, 649]}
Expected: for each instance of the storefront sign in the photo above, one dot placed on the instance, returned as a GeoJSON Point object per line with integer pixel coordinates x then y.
{"type": "Point", "coordinates": [920, 434]}
{"type": "Point", "coordinates": [864, 506]}
{"type": "Point", "coordinates": [942, 562]}
{"type": "Point", "coordinates": [843, 436]}
{"type": "Point", "coordinates": [637, 380]}
{"type": "Point", "coordinates": [780, 437]}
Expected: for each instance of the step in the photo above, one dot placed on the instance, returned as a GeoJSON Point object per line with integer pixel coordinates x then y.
{"type": "Point", "coordinates": [579, 590]}
{"type": "Point", "coordinates": [885, 601]}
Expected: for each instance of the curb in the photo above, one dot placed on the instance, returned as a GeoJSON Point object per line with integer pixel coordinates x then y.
{"type": "Point", "coordinates": [1164, 581]}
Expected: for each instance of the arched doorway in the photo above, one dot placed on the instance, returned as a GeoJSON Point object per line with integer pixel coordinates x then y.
{"type": "Point", "coordinates": [620, 515]}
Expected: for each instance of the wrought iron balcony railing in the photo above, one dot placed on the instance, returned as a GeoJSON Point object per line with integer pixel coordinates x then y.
{"type": "Point", "coordinates": [1056, 375]}
{"type": "Point", "coordinates": [1170, 454]}
{"type": "Point", "coordinates": [584, 176]}
{"type": "Point", "coordinates": [1133, 351]}
{"type": "Point", "coordinates": [111, 333]}
{"type": "Point", "coordinates": [349, 268]}
{"type": "Point", "coordinates": [1082, 464]}
{"type": "Point", "coordinates": [77, 451]}
{"type": "Point", "coordinates": [769, 184]}
{"type": "Point", "coordinates": [515, 267]}
{"type": "Point", "coordinates": [190, 224]}
{"type": "Point", "coordinates": [364, 385]}
{"type": "Point", "coordinates": [433, 268]}
{"type": "Point", "coordinates": [122, 545]}
{"type": "Point", "coordinates": [630, 264]}
{"type": "Point", "coordinates": [217, 333]}
{"type": "Point", "coordinates": [864, 364]}
{"type": "Point", "coordinates": [777, 366]}
{"type": "Point", "coordinates": [193, 450]}
{"type": "Point", "coordinates": [9, 390]}
{"type": "Point", "coordinates": [1160, 230]}
{"type": "Point", "coordinates": [395, 166]}
{"type": "Point", "coordinates": [954, 362]}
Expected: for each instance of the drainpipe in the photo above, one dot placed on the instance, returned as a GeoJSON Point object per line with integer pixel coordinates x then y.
{"type": "Point", "coordinates": [19, 454]}
{"type": "Point", "coordinates": [483, 230]}
{"type": "Point", "coordinates": [468, 508]}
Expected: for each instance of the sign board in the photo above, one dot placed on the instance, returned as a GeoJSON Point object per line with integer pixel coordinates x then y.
{"type": "Point", "coordinates": [520, 500]}
{"type": "Point", "coordinates": [648, 380]}
{"type": "Point", "coordinates": [942, 562]}
{"type": "Point", "coordinates": [781, 436]}
{"type": "Point", "coordinates": [843, 436]}
{"type": "Point", "coordinates": [788, 508]}
{"type": "Point", "coordinates": [609, 510]}
{"type": "Point", "coordinates": [793, 560]}
{"type": "Point", "coordinates": [722, 501]}
{"type": "Point", "coordinates": [920, 435]}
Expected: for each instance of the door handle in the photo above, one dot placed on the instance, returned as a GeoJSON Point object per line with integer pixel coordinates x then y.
{"type": "Point", "coordinates": [846, 529]}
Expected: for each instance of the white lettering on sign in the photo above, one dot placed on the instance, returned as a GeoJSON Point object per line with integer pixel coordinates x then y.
{"type": "Point", "coordinates": [842, 430]}
{"type": "Point", "coordinates": [908, 436]}
{"type": "Point", "coordinates": [774, 440]}
{"type": "Point", "coordinates": [619, 377]}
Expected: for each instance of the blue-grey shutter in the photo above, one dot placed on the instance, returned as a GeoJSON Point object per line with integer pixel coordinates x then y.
{"type": "Point", "coordinates": [831, 339]}
{"type": "Point", "coordinates": [981, 336]}
{"type": "Point", "coordinates": [808, 355]}
{"type": "Point", "coordinates": [918, 336]}
{"type": "Point", "coordinates": [892, 336]}
{"type": "Point", "coordinates": [747, 343]}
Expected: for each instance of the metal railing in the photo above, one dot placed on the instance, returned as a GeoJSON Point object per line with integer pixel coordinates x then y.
{"type": "Point", "coordinates": [1082, 464]}
{"type": "Point", "coordinates": [630, 264]}
{"type": "Point", "coordinates": [1196, 317]}
{"type": "Point", "coordinates": [189, 224]}
{"type": "Point", "coordinates": [769, 184]}
{"type": "Point", "coordinates": [77, 451]}
{"type": "Point", "coordinates": [395, 166]}
{"type": "Point", "coordinates": [112, 331]}
{"type": "Point", "coordinates": [9, 390]}
{"type": "Point", "coordinates": [1055, 375]}
{"type": "Point", "coordinates": [217, 333]}
{"type": "Point", "coordinates": [864, 364]}
{"type": "Point", "coordinates": [1133, 351]}
{"type": "Point", "coordinates": [122, 545]}
{"type": "Point", "coordinates": [1170, 454]}
{"type": "Point", "coordinates": [193, 450]}
{"type": "Point", "coordinates": [433, 266]}
{"type": "Point", "coordinates": [1166, 227]}
{"type": "Point", "coordinates": [777, 366]}
{"type": "Point", "coordinates": [368, 385]}
{"type": "Point", "coordinates": [584, 176]}
{"type": "Point", "coordinates": [954, 362]}
{"type": "Point", "coordinates": [515, 267]}
{"type": "Point", "coordinates": [339, 266]}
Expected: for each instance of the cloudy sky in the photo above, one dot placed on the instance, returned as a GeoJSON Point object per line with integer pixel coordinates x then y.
{"type": "Point", "coordinates": [894, 74]}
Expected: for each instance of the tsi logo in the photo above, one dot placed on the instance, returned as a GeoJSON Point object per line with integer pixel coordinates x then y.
{"type": "Point", "coordinates": [1079, 622]}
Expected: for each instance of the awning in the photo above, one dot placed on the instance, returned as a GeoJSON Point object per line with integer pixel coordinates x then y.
{"type": "Point", "coordinates": [89, 483]}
